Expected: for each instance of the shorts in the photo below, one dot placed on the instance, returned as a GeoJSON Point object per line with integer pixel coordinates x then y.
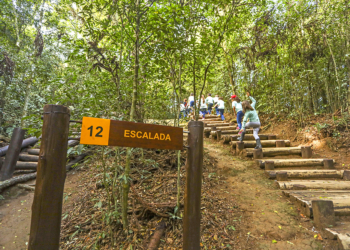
{"type": "Point", "coordinates": [191, 104]}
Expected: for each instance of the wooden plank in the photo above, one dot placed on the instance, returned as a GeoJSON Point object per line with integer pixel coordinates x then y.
{"type": "Point", "coordinates": [275, 151]}
{"type": "Point", "coordinates": [341, 232]}
{"type": "Point", "coordinates": [141, 135]}
{"type": "Point", "coordinates": [218, 125]}
{"type": "Point", "coordinates": [308, 174]}
{"type": "Point", "coordinates": [249, 137]}
{"type": "Point", "coordinates": [287, 163]}
{"type": "Point", "coordinates": [264, 143]}
{"type": "Point", "coordinates": [26, 165]}
{"type": "Point", "coordinates": [34, 151]}
{"type": "Point", "coordinates": [28, 157]}
{"type": "Point", "coordinates": [303, 198]}
{"type": "Point", "coordinates": [315, 184]}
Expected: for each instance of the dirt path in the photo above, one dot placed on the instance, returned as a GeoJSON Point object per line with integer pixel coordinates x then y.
{"type": "Point", "coordinates": [15, 214]}
{"type": "Point", "coordinates": [270, 221]}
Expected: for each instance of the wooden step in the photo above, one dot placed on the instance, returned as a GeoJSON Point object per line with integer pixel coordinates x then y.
{"type": "Point", "coordinates": [211, 120]}
{"type": "Point", "coordinates": [28, 157]}
{"type": "Point", "coordinates": [264, 143]}
{"type": "Point", "coordinates": [250, 137]}
{"type": "Point", "coordinates": [228, 132]}
{"type": "Point", "coordinates": [34, 151]}
{"type": "Point", "coordinates": [304, 198]}
{"type": "Point", "coordinates": [289, 163]}
{"type": "Point", "coordinates": [314, 184]}
{"type": "Point", "coordinates": [217, 125]}
{"type": "Point", "coordinates": [232, 129]}
{"type": "Point", "coordinates": [307, 174]}
{"type": "Point", "coordinates": [275, 151]}
{"type": "Point", "coordinates": [26, 165]}
{"type": "Point", "coordinates": [341, 233]}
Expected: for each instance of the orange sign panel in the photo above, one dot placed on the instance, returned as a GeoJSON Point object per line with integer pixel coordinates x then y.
{"type": "Point", "coordinates": [131, 134]}
{"type": "Point", "coordinates": [95, 131]}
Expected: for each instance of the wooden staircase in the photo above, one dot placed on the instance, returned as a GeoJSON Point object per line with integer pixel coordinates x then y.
{"type": "Point", "coordinates": [308, 182]}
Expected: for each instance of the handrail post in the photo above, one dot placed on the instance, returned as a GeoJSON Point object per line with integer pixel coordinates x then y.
{"type": "Point", "coordinates": [12, 154]}
{"type": "Point", "coordinates": [192, 213]}
{"type": "Point", "coordinates": [51, 173]}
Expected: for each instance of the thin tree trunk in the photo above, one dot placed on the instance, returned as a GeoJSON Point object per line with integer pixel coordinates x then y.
{"type": "Point", "coordinates": [126, 184]}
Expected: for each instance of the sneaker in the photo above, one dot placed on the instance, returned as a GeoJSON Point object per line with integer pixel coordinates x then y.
{"type": "Point", "coordinates": [238, 128]}
{"type": "Point", "coordinates": [240, 132]}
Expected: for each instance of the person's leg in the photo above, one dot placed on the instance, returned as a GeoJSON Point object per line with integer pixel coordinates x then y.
{"type": "Point", "coordinates": [256, 128]}
{"type": "Point", "coordinates": [239, 119]}
{"type": "Point", "coordinates": [222, 114]}
{"type": "Point", "coordinates": [210, 106]}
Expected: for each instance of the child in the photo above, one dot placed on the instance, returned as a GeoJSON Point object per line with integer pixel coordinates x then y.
{"type": "Point", "coordinates": [237, 109]}
{"type": "Point", "coordinates": [203, 107]}
{"type": "Point", "coordinates": [186, 107]}
{"type": "Point", "coordinates": [216, 99]}
{"type": "Point", "coordinates": [182, 110]}
{"type": "Point", "coordinates": [221, 108]}
{"type": "Point", "coordinates": [254, 122]}
{"type": "Point", "coordinates": [210, 102]}
{"type": "Point", "coordinates": [191, 100]}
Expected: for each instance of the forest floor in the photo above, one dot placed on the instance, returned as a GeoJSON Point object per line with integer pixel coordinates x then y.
{"type": "Point", "coordinates": [241, 210]}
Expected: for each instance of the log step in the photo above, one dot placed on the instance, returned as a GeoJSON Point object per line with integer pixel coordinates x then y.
{"type": "Point", "coordinates": [307, 174]}
{"type": "Point", "coordinates": [340, 233]}
{"type": "Point", "coordinates": [28, 157]}
{"type": "Point", "coordinates": [304, 198]}
{"type": "Point", "coordinates": [26, 165]}
{"type": "Point", "coordinates": [314, 184]}
{"type": "Point", "coordinates": [264, 143]}
{"type": "Point", "coordinates": [213, 120]}
{"type": "Point", "coordinates": [34, 151]}
{"type": "Point", "coordinates": [231, 128]}
{"type": "Point", "coordinates": [251, 137]}
{"type": "Point", "coordinates": [218, 125]}
{"type": "Point", "coordinates": [289, 163]}
{"type": "Point", "coordinates": [275, 151]}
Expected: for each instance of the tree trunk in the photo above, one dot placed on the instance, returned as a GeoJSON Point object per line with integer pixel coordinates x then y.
{"type": "Point", "coordinates": [126, 184]}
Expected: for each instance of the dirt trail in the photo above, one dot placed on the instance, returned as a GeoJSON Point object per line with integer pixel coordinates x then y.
{"type": "Point", "coordinates": [270, 221]}
{"type": "Point", "coordinates": [15, 214]}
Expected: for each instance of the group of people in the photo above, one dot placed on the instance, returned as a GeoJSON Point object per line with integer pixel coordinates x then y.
{"type": "Point", "coordinates": [247, 117]}
{"type": "Point", "coordinates": [206, 106]}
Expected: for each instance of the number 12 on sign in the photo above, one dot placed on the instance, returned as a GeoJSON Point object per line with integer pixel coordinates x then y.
{"type": "Point", "coordinates": [95, 131]}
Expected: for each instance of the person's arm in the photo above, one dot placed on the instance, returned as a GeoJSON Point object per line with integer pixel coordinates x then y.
{"type": "Point", "coordinates": [234, 110]}
{"type": "Point", "coordinates": [253, 101]}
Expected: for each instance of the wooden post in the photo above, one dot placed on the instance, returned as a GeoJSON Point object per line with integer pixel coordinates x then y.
{"type": "Point", "coordinates": [306, 152]}
{"type": "Point", "coordinates": [328, 164]}
{"type": "Point", "coordinates": [12, 154]}
{"type": "Point", "coordinates": [269, 165]}
{"type": "Point", "coordinates": [51, 174]}
{"type": "Point", "coordinates": [212, 134]}
{"type": "Point", "coordinates": [192, 211]}
{"type": "Point", "coordinates": [258, 154]}
{"type": "Point", "coordinates": [323, 213]}
{"type": "Point", "coordinates": [346, 175]}
{"type": "Point", "coordinates": [218, 135]}
{"type": "Point", "coordinates": [281, 176]}
{"type": "Point", "coordinates": [280, 144]}
{"type": "Point", "coordinates": [239, 147]}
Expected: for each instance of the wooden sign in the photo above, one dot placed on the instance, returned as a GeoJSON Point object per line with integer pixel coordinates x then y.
{"type": "Point", "coordinates": [96, 131]}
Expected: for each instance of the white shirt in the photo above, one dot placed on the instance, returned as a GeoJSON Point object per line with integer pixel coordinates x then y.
{"type": "Point", "coordinates": [203, 104]}
{"type": "Point", "coordinates": [216, 99]}
{"type": "Point", "coordinates": [209, 100]}
{"type": "Point", "coordinates": [221, 104]}
{"type": "Point", "coordinates": [182, 107]}
{"type": "Point", "coordinates": [237, 105]}
{"type": "Point", "coordinates": [191, 98]}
